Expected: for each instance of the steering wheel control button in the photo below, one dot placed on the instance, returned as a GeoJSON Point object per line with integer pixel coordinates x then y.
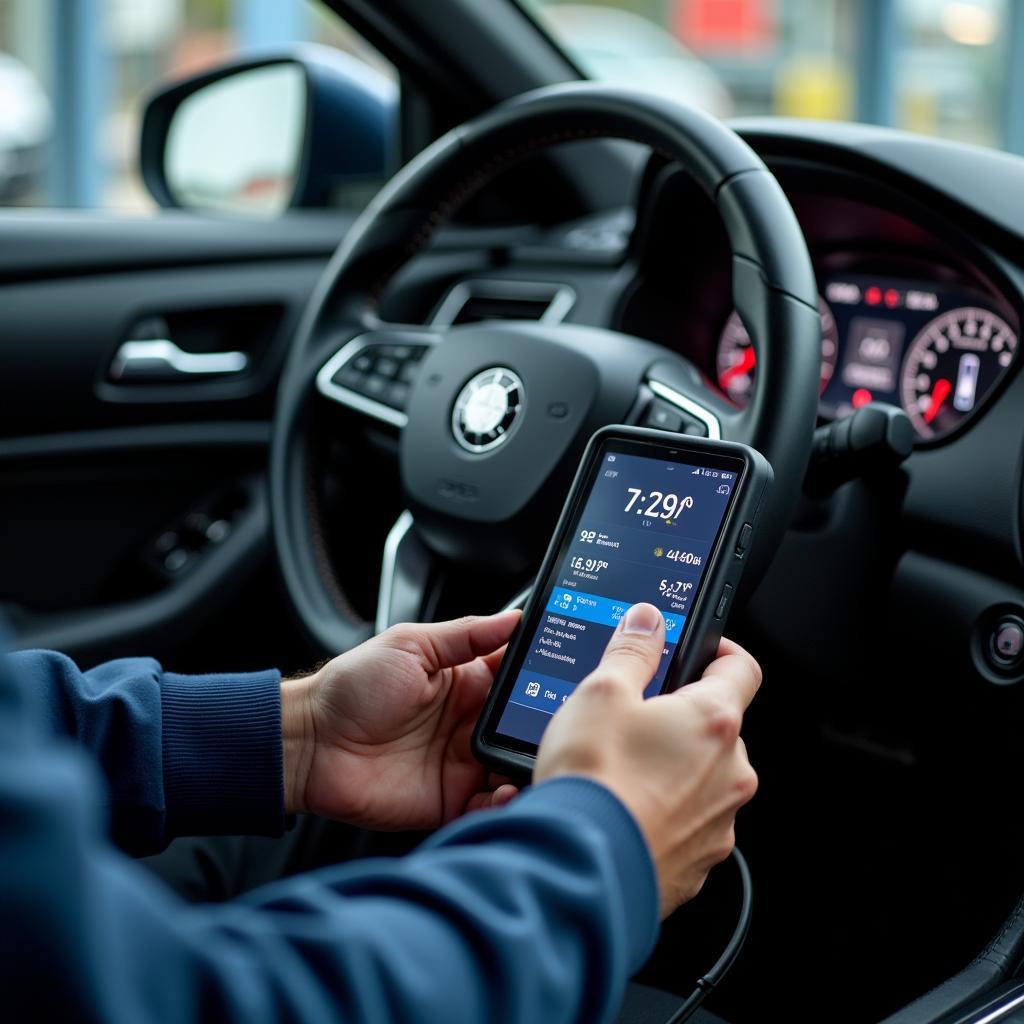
{"type": "Point", "coordinates": [176, 560]}
{"type": "Point", "coordinates": [350, 376]}
{"type": "Point", "coordinates": [387, 367]}
{"type": "Point", "coordinates": [558, 410]}
{"type": "Point", "coordinates": [487, 409]}
{"type": "Point", "coordinates": [218, 530]}
{"type": "Point", "coordinates": [1006, 643]}
{"type": "Point", "coordinates": [380, 372]}
{"type": "Point", "coordinates": [697, 420]}
{"type": "Point", "coordinates": [166, 542]}
{"type": "Point", "coordinates": [410, 371]}
{"type": "Point", "coordinates": [694, 427]}
{"type": "Point", "coordinates": [723, 601]}
{"type": "Point", "coordinates": [397, 395]}
{"type": "Point", "coordinates": [663, 416]}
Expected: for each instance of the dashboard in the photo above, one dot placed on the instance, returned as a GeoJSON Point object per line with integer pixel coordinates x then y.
{"type": "Point", "coordinates": [918, 254]}
{"type": "Point", "coordinates": [936, 351]}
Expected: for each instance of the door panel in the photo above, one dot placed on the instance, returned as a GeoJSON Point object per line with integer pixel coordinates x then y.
{"type": "Point", "coordinates": [133, 514]}
{"type": "Point", "coordinates": [44, 245]}
{"type": "Point", "coordinates": [60, 337]}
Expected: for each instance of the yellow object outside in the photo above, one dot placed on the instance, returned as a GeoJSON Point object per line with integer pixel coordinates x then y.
{"type": "Point", "coordinates": [920, 112]}
{"type": "Point", "coordinates": [814, 86]}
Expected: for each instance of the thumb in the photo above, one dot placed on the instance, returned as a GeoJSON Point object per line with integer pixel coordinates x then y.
{"type": "Point", "coordinates": [634, 651]}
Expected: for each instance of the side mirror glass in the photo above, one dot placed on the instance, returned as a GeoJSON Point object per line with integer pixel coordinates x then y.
{"type": "Point", "coordinates": [306, 127]}
{"type": "Point", "coordinates": [236, 145]}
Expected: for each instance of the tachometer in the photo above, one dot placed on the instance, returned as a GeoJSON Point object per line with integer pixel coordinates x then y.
{"type": "Point", "coordinates": [735, 359]}
{"type": "Point", "coordinates": [951, 366]}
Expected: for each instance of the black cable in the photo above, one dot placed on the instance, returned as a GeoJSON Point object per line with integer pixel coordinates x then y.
{"type": "Point", "coordinates": [709, 981]}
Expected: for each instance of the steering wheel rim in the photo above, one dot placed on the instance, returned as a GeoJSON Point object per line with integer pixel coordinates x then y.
{"type": "Point", "coordinates": [774, 291]}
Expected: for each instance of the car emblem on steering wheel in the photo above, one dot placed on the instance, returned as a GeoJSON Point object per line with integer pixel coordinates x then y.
{"type": "Point", "coordinates": [487, 409]}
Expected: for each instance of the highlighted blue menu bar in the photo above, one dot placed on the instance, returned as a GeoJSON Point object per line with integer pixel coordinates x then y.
{"type": "Point", "coordinates": [605, 611]}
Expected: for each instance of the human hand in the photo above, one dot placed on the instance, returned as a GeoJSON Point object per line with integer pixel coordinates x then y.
{"type": "Point", "coordinates": [380, 736]}
{"type": "Point", "coordinates": [676, 761]}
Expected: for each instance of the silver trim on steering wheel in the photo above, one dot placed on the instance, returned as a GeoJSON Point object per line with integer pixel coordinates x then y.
{"type": "Point", "coordinates": [352, 399]}
{"type": "Point", "coordinates": [387, 570]}
{"type": "Point", "coordinates": [688, 405]}
{"type": "Point", "coordinates": [396, 535]}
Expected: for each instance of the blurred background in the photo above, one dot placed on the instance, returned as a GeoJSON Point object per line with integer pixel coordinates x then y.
{"type": "Point", "coordinates": [73, 73]}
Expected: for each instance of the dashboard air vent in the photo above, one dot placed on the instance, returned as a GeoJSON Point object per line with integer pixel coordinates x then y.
{"type": "Point", "coordinates": [472, 301]}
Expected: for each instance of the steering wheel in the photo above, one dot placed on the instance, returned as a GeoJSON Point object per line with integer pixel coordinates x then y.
{"type": "Point", "coordinates": [497, 413]}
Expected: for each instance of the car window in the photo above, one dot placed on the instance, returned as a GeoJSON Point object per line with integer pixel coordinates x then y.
{"type": "Point", "coordinates": [952, 69]}
{"type": "Point", "coordinates": [74, 76]}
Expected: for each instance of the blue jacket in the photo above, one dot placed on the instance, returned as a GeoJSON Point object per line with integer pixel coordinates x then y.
{"type": "Point", "coordinates": [536, 913]}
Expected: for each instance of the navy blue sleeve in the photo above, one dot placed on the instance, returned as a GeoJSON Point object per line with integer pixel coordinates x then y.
{"type": "Point", "coordinates": [182, 755]}
{"type": "Point", "coordinates": [538, 911]}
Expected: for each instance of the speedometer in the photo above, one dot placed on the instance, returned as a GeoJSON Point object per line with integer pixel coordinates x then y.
{"type": "Point", "coordinates": [735, 359]}
{"type": "Point", "coordinates": [951, 366]}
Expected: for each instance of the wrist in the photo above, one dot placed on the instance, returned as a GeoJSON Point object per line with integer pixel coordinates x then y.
{"type": "Point", "coordinates": [589, 800]}
{"type": "Point", "coordinates": [298, 739]}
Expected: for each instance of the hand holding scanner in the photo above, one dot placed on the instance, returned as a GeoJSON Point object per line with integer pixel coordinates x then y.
{"type": "Point", "coordinates": [651, 516]}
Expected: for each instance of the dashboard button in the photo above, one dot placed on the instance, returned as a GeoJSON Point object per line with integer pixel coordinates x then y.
{"type": "Point", "coordinates": [1006, 643]}
{"type": "Point", "coordinates": [723, 601]}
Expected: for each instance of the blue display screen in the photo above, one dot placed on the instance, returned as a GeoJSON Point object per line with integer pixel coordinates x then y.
{"type": "Point", "coordinates": [645, 532]}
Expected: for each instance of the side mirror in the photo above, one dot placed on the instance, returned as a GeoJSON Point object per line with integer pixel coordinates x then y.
{"type": "Point", "coordinates": [262, 135]}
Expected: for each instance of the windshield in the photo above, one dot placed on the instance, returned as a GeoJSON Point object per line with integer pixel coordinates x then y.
{"type": "Point", "coordinates": [952, 68]}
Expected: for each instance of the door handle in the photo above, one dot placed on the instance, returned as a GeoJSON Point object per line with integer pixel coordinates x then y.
{"type": "Point", "coordinates": [161, 361]}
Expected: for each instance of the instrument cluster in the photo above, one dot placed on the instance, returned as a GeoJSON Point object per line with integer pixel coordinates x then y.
{"type": "Point", "coordinates": [936, 349]}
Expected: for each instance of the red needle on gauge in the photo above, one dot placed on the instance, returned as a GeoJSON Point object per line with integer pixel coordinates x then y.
{"type": "Point", "coordinates": [939, 394]}
{"type": "Point", "coordinates": [745, 365]}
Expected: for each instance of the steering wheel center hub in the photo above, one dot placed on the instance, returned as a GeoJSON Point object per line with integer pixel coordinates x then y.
{"type": "Point", "coordinates": [485, 460]}
{"type": "Point", "coordinates": [487, 409]}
